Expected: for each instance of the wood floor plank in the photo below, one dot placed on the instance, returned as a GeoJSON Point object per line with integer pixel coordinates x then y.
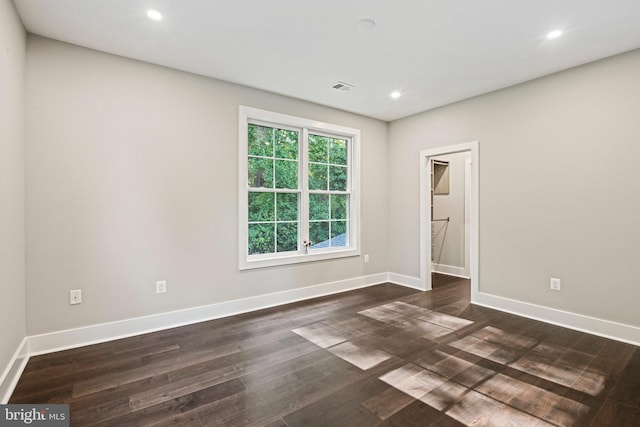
{"type": "Point", "coordinates": [215, 376]}
{"type": "Point", "coordinates": [113, 379]}
{"type": "Point", "coordinates": [341, 408]}
{"type": "Point", "coordinates": [388, 402]}
{"type": "Point", "coordinates": [169, 411]}
{"type": "Point", "coordinates": [613, 413]}
{"type": "Point", "coordinates": [114, 401]}
{"type": "Point", "coordinates": [50, 394]}
{"type": "Point", "coordinates": [273, 399]}
{"type": "Point", "coordinates": [418, 414]}
{"type": "Point", "coordinates": [239, 364]}
{"type": "Point", "coordinates": [627, 389]}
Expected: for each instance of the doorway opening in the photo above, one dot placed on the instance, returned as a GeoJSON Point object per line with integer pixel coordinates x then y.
{"type": "Point", "coordinates": [449, 214]}
{"type": "Point", "coordinates": [449, 206]}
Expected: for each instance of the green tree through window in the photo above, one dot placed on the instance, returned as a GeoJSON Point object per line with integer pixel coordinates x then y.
{"type": "Point", "coordinates": [273, 170]}
{"type": "Point", "coordinates": [328, 200]}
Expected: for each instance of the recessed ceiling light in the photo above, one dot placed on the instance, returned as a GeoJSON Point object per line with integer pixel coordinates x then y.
{"type": "Point", "coordinates": [396, 94]}
{"type": "Point", "coordinates": [154, 14]}
{"type": "Point", "coordinates": [554, 34]}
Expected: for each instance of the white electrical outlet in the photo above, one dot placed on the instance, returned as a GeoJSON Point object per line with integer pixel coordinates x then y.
{"type": "Point", "coordinates": [161, 286]}
{"type": "Point", "coordinates": [366, 258]}
{"type": "Point", "coordinates": [75, 296]}
{"type": "Point", "coordinates": [554, 284]}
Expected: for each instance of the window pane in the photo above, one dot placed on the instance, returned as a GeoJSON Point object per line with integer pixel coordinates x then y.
{"type": "Point", "coordinates": [260, 173]}
{"type": "Point", "coordinates": [319, 234]}
{"type": "Point", "coordinates": [318, 207]}
{"type": "Point", "coordinates": [318, 149]}
{"type": "Point", "coordinates": [339, 233]}
{"type": "Point", "coordinates": [286, 174]}
{"type": "Point", "coordinates": [317, 177]}
{"type": "Point", "coordinates": [286, 144]}
{"type": "Point", "coordinates": [338, 178]}
{"type": "Point", "coordinates": [287, 236]}
{"type": "Point", "coordinates": [260, 141]}
{"type": "Point", "coordinates": [261, 206]}
{"type": "Point", "coordinates": [261, 238]}
{"type": "Point", "coordinates": [338, 206]}
{"type": "Point", "coordinates": [287, 207]}
{"type": "Point", "coordinates": [338, 152]}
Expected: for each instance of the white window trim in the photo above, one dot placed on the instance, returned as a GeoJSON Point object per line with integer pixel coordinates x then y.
{"type": "Point", "coordinates": [245, 262]}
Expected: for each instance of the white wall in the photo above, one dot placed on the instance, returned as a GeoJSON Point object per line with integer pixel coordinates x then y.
{"type": "Point", "coordinates": [559, 187]}
{"type": "Point", "coordinates": [449, 237]}
{"type": "Point", "coordinates": [132, 178]}
{"type": "Point", "coordinates": [12, 140]}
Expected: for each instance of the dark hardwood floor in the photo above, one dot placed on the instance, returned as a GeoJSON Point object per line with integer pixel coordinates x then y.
{"type": "Point", "coordinates": [381, 356]}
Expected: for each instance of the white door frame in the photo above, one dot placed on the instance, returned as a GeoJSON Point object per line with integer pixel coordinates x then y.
{"type": "Point", "coordinates": [425, 214]}
{"type": "Point", "coordinates": [467, 216]}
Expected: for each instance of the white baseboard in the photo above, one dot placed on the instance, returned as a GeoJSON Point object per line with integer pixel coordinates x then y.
{"type": "Point", "coordinates": [408, 281]}
{"type": "Point", "coordinates": [71, 338]}
{"type": "Point", "coordinates": [449, 270]}
{"type": "Point", "coordinates": [11, 374]}
{"type": "Point", "coordinates": [94, 334]}
{"type": "Point", "coordinates": [591, 325]}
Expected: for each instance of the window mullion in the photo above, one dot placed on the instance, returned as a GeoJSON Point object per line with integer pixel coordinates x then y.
{"type": "Point", "coordinates": [304, 187]}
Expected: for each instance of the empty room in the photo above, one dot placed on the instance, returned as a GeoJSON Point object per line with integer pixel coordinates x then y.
{"type": "Point", "coordinates": [297, 213]}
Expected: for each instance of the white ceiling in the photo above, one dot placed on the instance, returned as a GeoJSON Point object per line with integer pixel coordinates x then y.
{"type": "Point", "coordinates": [434, 51]}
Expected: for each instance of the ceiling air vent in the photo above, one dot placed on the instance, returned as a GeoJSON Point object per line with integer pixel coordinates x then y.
{"type": "Point", "coordinates": [342, 86]}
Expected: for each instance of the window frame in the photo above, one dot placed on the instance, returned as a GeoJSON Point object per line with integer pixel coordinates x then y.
{"type": "Point", "coordinates": [305, 126]}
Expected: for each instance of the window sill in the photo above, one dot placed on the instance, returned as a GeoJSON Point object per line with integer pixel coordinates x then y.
{"type": "Point", "coordinates": [249, 264]}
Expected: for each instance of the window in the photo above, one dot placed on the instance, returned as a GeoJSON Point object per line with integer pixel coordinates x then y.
{"type": "Point", "coordinates": [298, 190]}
